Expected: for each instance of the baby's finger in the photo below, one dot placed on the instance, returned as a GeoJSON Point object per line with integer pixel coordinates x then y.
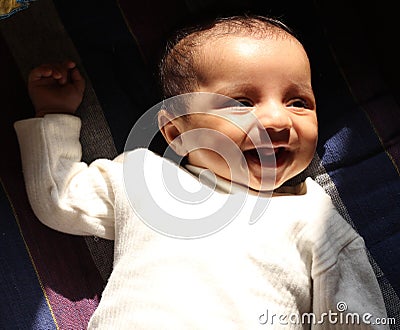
{"type": "Point", "coordinates": [40, 72]}
{"type": "Point", "coordinates": [65, 69]}
{"type": "Point", "coordinates": [76, 75]}
{"type": "Point", "coordinates": [77, 79]}
{"type": "Point", "coordinates": [60, 73]}
{"type": "Point", "coordinates": [68, 64]}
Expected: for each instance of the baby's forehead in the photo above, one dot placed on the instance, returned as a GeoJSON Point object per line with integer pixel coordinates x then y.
{"type": "Point", "coordinates": [218, 43]}
{"type": "Point", "coordinates": [224, 48]}
{"type": "Point", "coordinates": [239, 65]}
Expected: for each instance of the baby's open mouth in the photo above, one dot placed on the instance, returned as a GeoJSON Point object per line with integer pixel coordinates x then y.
{"type": "Point", "coordinates": [264, 157]}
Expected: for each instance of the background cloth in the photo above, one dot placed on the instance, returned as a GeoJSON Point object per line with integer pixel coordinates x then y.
{"type": "Point", "coordinates": [52, 280]}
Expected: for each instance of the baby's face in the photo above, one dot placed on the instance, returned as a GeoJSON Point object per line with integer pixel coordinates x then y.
{"type": "Point", "coordinates": [272, 76]}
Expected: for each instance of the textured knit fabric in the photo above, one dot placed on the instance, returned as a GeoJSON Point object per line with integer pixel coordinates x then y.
{"type": "Point", "coordinates": [301, 256]}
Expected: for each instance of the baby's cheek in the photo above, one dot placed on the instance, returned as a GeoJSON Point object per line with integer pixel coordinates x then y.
{"type": "Point", "coordinates": [308, 132]}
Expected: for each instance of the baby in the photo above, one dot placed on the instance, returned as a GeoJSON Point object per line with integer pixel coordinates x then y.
{"type": "Point", "coordinates": [296, 267]}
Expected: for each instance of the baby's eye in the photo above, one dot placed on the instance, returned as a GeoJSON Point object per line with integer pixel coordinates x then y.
{"type": "Point", "coordinates": [299, 104]}
{"type": "Point", "coordinates": [245, 103]}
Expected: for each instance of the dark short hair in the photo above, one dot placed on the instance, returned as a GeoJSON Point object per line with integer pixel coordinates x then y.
{"type": "Point", "coordinates": [177, 69]}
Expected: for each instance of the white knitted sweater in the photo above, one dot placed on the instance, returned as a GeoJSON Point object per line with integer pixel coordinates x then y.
{"type": "Point", "coordinates": [300, 257]}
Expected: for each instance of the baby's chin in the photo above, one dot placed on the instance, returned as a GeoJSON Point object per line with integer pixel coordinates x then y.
{"type": "Point", "coordinates": [263, 188]}
{"type": "Point", "coordinates": [265, 185]}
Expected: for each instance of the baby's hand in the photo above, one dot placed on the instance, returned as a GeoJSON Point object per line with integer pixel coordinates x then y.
{"type": "Point", "coordinates": [56, 88]}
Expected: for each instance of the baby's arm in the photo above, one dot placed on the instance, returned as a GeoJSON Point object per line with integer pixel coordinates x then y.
{"type": "Point", "coordinates": [65, 193]}
{"type": "Point", "coordinates": [347, 294]}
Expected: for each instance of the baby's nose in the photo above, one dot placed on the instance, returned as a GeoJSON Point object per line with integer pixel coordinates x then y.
{"type": "Point", "coordinates": [274, 117]}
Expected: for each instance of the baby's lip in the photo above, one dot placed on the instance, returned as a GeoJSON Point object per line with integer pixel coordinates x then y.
{"type": "Point", "coordinates": [250, 144]}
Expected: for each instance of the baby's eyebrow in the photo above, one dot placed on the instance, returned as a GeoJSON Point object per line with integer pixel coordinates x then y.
{"type": "Point", "coordinates": [235, 88]}
{"type": "Point", "coordinates": [302, 88]}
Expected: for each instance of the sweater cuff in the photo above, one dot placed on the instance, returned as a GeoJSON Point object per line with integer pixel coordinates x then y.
{"type": "Point", "coordinates": [66, 127]}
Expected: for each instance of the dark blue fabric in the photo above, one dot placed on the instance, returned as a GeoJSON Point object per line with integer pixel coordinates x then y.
{"type": "Point", "coordinates": [22, 304]}
{"type": "Point", "coordinates": [369, 186]}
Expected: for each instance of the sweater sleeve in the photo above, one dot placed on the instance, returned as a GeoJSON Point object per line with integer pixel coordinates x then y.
{"type": "Point", "coordinates": [65, 193]}
{"type": "Point", "coordinates": [347, 294]}
{"type": "Point", "coordinates": [345, 290]}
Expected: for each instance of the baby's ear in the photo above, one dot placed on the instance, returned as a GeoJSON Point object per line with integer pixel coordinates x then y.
{"type": "Point", "coordinates": [171, 130]}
